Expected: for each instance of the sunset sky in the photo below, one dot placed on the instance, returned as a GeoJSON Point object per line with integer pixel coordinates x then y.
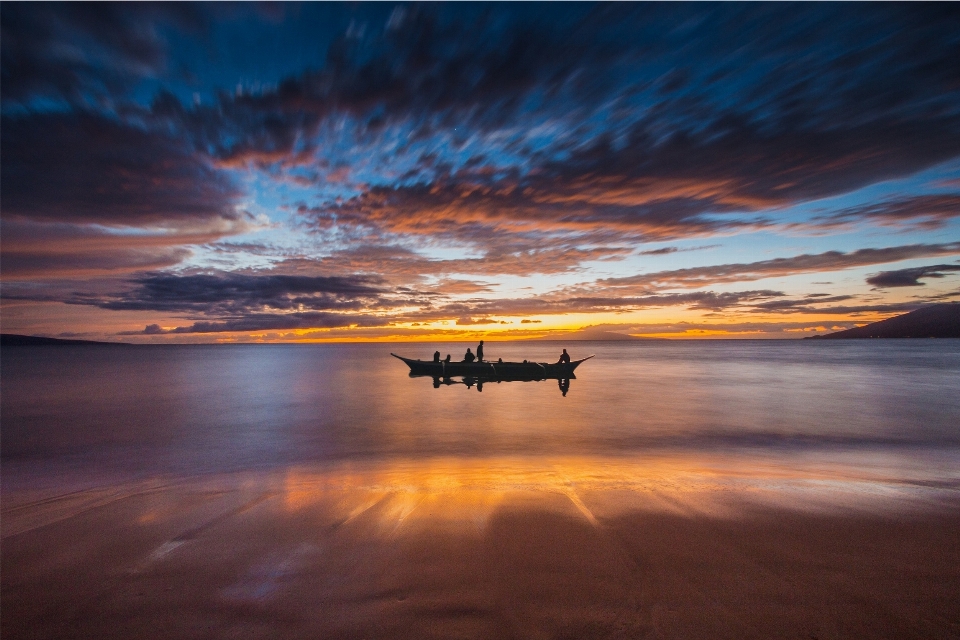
{"type": "Point", "coordinates": [282, 172]}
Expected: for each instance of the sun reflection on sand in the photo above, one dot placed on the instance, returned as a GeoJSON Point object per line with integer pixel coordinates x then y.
{"type": "Point", "coordinates": [466, 493]}
{"type": "Point", "coordinates": [703, 545]}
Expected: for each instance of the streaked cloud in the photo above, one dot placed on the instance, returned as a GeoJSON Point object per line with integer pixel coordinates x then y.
{"type": "Point", "coordinates": [86, 168]}
{"type": "Point", "coordinates": [925, 211]}
{"type": "Point", "coordinates": [778, 267]}
{"type": "Point", "coordinates": [911, 277]}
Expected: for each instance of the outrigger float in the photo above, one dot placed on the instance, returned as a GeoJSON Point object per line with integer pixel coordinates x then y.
{"type": "Point", "coordinates": [493, 370]}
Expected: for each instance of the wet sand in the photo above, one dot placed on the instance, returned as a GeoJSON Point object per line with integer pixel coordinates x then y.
{"type": "Point", "coordinates": [509, 548]}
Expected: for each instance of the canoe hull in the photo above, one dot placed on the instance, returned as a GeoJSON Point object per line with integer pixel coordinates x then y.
{"type": "Point", "coordinates": [491, 370]}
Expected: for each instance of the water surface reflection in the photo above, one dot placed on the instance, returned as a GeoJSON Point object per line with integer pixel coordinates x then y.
{"type": "Point", "coordinates": [200, 409]}
{"type": "Point", "coordinates": [563, 382]}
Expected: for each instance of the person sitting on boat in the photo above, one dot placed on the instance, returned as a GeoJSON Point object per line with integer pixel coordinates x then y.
{"type": "Point", "coordinates": [447, 359]}
{"type": "Point", "coordinates": [564, 358]}
{"type": "Point", "coordinates": [480, 352]}
{"type": "Point", "coordinates": [436, 356]}
{"type": "Point", "coordinates": [469, 357]}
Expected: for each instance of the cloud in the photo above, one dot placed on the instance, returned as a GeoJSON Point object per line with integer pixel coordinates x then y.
{"type": "Point", "coordinates": [731, 176]}
{"type": "Point", "coordinates": [911, 277]}
{"type": "Point", "coordinates": [668, 250]}
{"type": "Point", "coordinates": [242, 294]}
{"type": "Point", "coordinates": [474, 321]}
{"type": "Point", "coordinates": [589, 130]}
{"type": "Point", "coordinates": [660, 252]}
{"type": "Point", "coordinates": [485, 69]}
{"type": "Point", "coordinates": [269, 322]}
{"type": "Point", "coordinates": [923, 211]}
{"type": "Point", "coordinates": [519, 256]}
{"type": "Point", "coordinates": [85, 168]}
{"type": "Point", "coordinates": [512, 140]}
{"type": "Point", "coordinates": [484, 210]}
{"type": "Point", "coordinates": [558, 304]}
{"type": "Point", "coordinates": [86, 52]}
{"type": "Point", "coordinates": [84, 194]}
{"type": "Point", "coordinates": [778, 267]}
{"type": "Point", "coordinates": [30, 250]}
{"type": "Point", "coordinates": [453, 286]}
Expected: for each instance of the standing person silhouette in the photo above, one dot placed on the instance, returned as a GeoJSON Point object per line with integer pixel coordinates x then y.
{"type": "Point", "coordinates": [480, 352]}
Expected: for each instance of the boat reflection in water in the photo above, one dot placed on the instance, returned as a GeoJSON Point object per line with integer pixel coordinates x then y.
{"type": "Point", "coordinates": [479, 373]}
{"type": "Point", "coordinates": [479, 381]}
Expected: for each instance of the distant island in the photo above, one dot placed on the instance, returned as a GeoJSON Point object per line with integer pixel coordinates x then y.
{"type": "Point", "coordinates": [934, 321]}
{"type": "Point", "coordinates": [16, 340]}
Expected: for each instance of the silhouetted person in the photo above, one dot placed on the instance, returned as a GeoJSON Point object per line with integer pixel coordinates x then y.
{"type": "Point", "coordinates": [480, 352]}
{"type": "Point", "coordinates": [447, 359]}
{"type": "Point", "coordinates": [469, 357]}
{"type": "Point", "coordinates": [564, 386]}
{"type": "Point", "coordinates": [436, 356]}
{"type": "Point", "coordinates": [564, 358]}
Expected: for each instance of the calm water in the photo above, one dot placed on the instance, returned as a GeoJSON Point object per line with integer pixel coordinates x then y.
{"type": "Point", "coordinates": [196, 409]}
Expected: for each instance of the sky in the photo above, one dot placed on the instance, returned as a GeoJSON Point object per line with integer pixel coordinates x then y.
{"type": "Point", "coordinates": [320, 172]}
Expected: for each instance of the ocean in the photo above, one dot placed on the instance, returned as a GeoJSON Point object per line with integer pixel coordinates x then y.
{"type": "Point", "coordinates": [199, 409]}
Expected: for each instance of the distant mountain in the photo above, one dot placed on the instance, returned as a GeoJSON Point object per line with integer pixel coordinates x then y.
{"type": "Point", "coordinates": [934, 321]}
{"type": "Point", "coordinates": [14, 340]}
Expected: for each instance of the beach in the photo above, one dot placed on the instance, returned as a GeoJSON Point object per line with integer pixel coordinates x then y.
{"type": "Point", "coordinates": [671, 546]}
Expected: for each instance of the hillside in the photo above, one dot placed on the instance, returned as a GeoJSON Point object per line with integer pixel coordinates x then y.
{"type": "Point", "coordinates": [934, 321]}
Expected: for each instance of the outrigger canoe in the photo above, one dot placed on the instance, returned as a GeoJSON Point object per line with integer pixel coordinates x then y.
{"type": "Point", "coordinates": [492, 370]}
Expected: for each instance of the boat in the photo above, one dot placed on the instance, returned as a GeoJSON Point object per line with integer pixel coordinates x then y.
{"type": "Point", "coordinates": [493, 370]}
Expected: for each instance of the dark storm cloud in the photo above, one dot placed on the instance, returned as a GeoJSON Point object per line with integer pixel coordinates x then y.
{"type": "Point", "coordinates": [235, 293]}
{"type": "Point", "coordinates": [81, 167]}
{"type": "Point", "coordinates": [911, 277]}
{"type": "Point", "coordinates": [778, 267]}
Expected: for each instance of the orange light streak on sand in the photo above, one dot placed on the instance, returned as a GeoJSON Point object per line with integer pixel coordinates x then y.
{"type": "Point", "coordinates": [467, 492]}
